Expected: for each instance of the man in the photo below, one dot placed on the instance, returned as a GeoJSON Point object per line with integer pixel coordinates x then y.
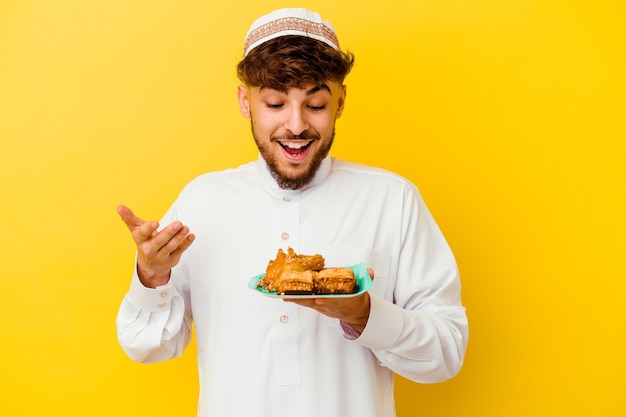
{"type": "Point", "coordinates": [261, 356]}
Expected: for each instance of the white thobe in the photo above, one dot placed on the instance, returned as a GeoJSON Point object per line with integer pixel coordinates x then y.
{"type": "Point", "coordinates": [261, 356]}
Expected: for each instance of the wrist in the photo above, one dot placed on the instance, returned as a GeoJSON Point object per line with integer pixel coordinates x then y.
{"type": "Point", "coordinates": [153, 279]}
{"type": "Point", "coordinates": [359, 321]}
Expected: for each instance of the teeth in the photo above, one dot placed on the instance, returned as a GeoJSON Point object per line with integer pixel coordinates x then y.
{"type": "Point", "coordinates": [295, 145]}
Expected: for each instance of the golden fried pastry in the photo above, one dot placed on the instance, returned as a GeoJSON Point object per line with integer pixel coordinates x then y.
{"type": "Point", "coordinates": [335, 281]}
{"type": "Point", "coordinates": [292, 273]}
{"type": "Point", "coordinates": [273, 271]}
{"type": "Point", "coordinates": [289, 261]}
{"type": "Point", "coordinates": [294, 282]}
{"type": "Point", "coordinates": [312, 262]}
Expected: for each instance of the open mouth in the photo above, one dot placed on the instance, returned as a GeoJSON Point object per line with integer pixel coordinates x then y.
{"type": "Point", "coordinates": [295, 148]}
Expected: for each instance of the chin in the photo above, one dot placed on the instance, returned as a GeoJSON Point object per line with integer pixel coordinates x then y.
{"type": "Point", "coordinates": [292, 179]}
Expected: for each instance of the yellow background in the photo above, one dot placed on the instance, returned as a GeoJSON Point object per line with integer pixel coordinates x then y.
{"type": "Point", "coordinates": [508, 115]}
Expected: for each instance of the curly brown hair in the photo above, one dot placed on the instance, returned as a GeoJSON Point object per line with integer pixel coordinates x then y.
{"type": "Point", "coordinates": [294, 61]}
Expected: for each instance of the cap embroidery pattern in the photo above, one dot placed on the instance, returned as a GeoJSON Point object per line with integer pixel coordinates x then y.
{"type": "Point", "coordinates": [291, 24]}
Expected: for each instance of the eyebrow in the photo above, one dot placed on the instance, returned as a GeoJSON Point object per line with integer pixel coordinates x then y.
{"type": "Point", "coordinates": [309, 92]}
{"type": "Point", "coordinates": [318, 88]}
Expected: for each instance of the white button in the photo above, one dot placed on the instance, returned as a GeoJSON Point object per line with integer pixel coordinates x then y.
{"type": "Point", "coordinates": [286, 199]}
{"type": "Point", "coordinates": [284, 319]}
{"type": "Point", "coordinates": [284, 235]}
{"type": "Point", "coordinates": [163, 294]}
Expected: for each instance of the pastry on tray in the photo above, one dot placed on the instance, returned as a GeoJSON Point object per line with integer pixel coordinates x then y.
{"type": "Point", "coordinates": [295, 274]}
{"type": "Point", "coordinates": [335, 281]}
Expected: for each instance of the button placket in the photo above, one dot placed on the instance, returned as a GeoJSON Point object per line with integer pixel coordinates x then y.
{"type": "Point", "coordinates": [284, 322]}
{"type": "Point", "coordinates": [285, 349]}
{"type": "Point", "coordinates": [289, 219]}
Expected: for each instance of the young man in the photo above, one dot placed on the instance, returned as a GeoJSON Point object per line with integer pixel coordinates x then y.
{"type": "Point", "coordinates": [260, 356]}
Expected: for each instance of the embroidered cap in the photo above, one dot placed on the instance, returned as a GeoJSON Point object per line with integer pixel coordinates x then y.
{"type": "Point", "coordinates": [283, 22]}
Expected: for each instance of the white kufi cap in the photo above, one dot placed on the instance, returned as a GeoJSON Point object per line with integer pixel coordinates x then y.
{"type": "Point", "coordinates": [290, 22]}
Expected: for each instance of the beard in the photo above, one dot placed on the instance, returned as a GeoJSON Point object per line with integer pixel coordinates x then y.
{"type": "Point", "coordinates": [290, 181]}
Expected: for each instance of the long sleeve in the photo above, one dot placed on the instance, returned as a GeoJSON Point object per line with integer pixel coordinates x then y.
{"type": "Point", "coordinates": [419, 328]}
{"type": "Point", "coordinates": [424, 346]}
{"type": "Point", "coordinates": [153, 324]}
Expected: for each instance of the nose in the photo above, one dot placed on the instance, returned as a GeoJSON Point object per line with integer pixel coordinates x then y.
{"type": "Point", "coordinates": [296, 121]}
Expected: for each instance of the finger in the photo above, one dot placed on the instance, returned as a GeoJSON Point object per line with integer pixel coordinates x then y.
{"type": "Point", "coordinates": [129, 218]}
{"type": "Point", "coordinates": [371, 272]}
{"type": "Point", "coordinates": [169, 239]}
{"type": "Point", "coordinates": [140, 230]}
{"type": "Point", "coordinates": [184, 245]}
{"type": "Point", "coordinates": [302, 302]}
{"type": "Point", "coordinates": [145, 231]}
{"type": "Point", "coordinates": [154, 251]}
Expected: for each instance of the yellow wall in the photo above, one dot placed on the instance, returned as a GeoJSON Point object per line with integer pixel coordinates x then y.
{"type": "Point", "coordinates": [509, 116]}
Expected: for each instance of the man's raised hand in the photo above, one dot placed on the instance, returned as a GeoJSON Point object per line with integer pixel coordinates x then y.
{"type": "Point", "coordinates": [158, 251]}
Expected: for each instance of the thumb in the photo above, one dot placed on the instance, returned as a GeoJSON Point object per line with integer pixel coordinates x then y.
{"type": "Point", "coordinates": [128, 217]}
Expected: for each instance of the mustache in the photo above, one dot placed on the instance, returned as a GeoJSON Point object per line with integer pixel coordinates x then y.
{"type": "Point", "coordinates": [306, 135]}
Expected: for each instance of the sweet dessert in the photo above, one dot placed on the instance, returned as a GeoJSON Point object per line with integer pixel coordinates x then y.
{"type": "Point", "coordinates": [335, 281]}
{"type": "Point", "coordinates": [285, 262]}
{"type": "Point", "coordinates": [309, 262]}
{"type": "Point", "coordinates": [272, 272]}
{"type": "Point", "coordinates": [294, 274]}
{"type": "Point", "coordinates": [292, 282]}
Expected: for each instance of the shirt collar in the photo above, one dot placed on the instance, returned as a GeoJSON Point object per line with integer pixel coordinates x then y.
{"type": "Point", "coordinates": [270, 183]}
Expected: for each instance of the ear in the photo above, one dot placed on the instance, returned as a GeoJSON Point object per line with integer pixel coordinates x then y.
{"type": "Point", "coordinates": [341, 102]}
{"type": "Point", "coordinates": [244, 102]}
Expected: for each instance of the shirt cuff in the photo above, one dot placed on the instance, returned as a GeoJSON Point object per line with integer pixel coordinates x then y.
{"type": "Point", "coordinates": [383, 328]}
{"type": "Point", "coordinates": [151, 299]}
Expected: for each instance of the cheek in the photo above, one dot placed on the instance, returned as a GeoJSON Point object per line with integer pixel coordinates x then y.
{"type": "Point", "coordinates": [261, 123]}
{"type": "Point", "coordinates": [266, 119]}
{"type": "Point", "coordinates": [323, 123]}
